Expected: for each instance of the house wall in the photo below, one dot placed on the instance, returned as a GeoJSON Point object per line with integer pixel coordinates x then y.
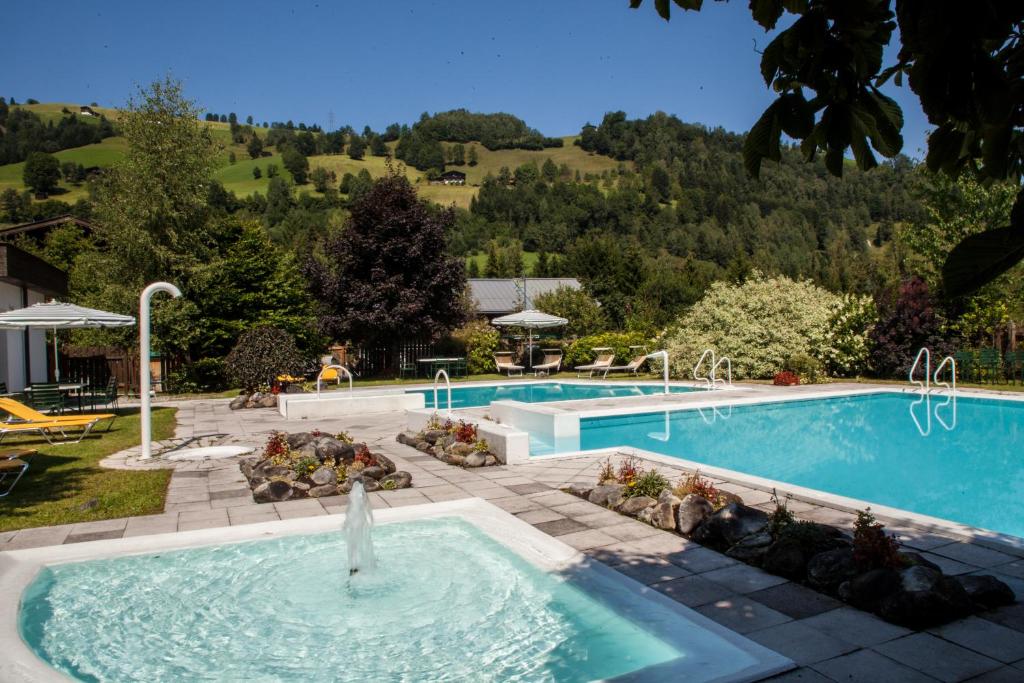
{"type": "Point", "coordinates": [12, 342]}
{"type": "Point", "coordinates": [37, 343]}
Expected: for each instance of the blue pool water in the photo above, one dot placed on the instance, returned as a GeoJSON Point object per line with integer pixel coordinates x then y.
{"type": "Point", "coordinates": [865, 447]}
{"type": "Point", "coordinates": [541, 392]}
{"type": "Point", "coordinates": [446, 603]}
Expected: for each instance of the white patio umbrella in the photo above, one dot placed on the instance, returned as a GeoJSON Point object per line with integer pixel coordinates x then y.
{"type": "Point", "coordinates": [56, 315]}
{"type": "Point", "coordinates": [530, 320]}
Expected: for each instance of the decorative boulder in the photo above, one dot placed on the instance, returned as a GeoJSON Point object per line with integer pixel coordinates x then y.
{"type": "Point", "coordinates": [368, 484]}
{"type": "Point", "coordinates": [324, 476]}
{"type": "Point", "coordinates": [325, 490]}
{"type": "Point", "coordinates": [825, 571]}
{"type": "Point", "coordinates": [751, 549]}
{"type": "Point", "coordinates": [423, 446]}
{"type": "Point", "coordinates": [491, 460]}
{"type": "Point", "coordinates": [408, 438]}
{"type": "Point", "coordinates": [476, 459]}
{"type": "Point", "coordinates": [662, 516]}
{"type": "Point", "coordinates": [730, 524]}
{"type": "Point", "coordinates": [462, 449]}
{"type": "Point", "coordinates": [867, 590]}
{"type": "Point", "coordinates": [432, 436]}
{"type": "Point", "coordinates": [692, 512]}
{"type": "Point", "coordinates": [607, 495]}
{"type": "Point", "coordinates": [633, 506]}
{"type": "Point", "coordinates": [786, 557]}
{"type": "Point", "coordinates": [387, 463]}
{"type": "Point", "coordinates": [294, 389]}
{"type": "Point", "coordinates": [581, 490]}
{"type": "Point", "coordinates": [298, 440]}
{"type": "Point", "coordinates": [247, 465]}
{"type": "Point", "coordinates": [373, 472]}
{"type": "Point", "coordinates": [668, 497]}
{"type": "Point", "coordinates": [268, 401]}
{"type": "Point", "coordinates": [329, 447]}
{"type": "Point", "coordinates": [456, 460]}
{"type": "Point", "coordinates": [403, 480]}
{"type": "Point", "coordinates": [273, 491]}
{"type": "Point", "coordinates": [238, 402]}
{"type": "Point", "coordinates": [986, 591]}
{"type": "Point", "coordinates": [926, 598]}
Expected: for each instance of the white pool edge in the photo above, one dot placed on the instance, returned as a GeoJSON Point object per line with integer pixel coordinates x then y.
{"type": "Point", "coordinates": [18, 568]}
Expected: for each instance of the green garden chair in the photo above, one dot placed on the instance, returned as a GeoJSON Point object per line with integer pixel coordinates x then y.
{"type": "Point", "coordinates": [47, 398]}
{"type": "Point", "coordinates": [966, 366]}
{"type": "Point", "coordinates": [990, 364]}
{"type": "Point", "coordinates": [102, 399]}
{"type": "Point", "coordinates": [460, 368]}
{"type": "Point", "coordinates": [406, 368]}
{"type": "Point", "coordinates": [1015, 365]}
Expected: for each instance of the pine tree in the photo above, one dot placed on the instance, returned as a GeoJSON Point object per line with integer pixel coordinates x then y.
{"type": "Point", "coordinates": [473, 269]}
{"type": "Point", "coordinates": [492, 269]}
{"type": "Point", "coordinates": [540, 268]}
{"type": "Point", "coordinates": [471, 157]}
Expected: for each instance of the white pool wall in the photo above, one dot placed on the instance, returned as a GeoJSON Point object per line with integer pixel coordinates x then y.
{"type": "Point", "coordinates": [341, 403]}
{"type": "Point", "coordinates": [508, 444]}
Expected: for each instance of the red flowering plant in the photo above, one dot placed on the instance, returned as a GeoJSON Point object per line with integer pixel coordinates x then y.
{"type": "Point", "coordinates": [629, 471]}
{"type": "Point", "coordinates": [872, 547]}
{"type": "Point", "coordinates": [786, 379]}
{"type": "Point", "coordinates": [464, 432]}
{"type": "Point", "coordinates": [364, 457]}
{"type": "Point", "coordinates": [277, 445]}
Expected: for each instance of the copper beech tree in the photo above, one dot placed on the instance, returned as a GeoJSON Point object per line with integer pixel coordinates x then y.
{"type": "Point", "coordinates": [387, 275]}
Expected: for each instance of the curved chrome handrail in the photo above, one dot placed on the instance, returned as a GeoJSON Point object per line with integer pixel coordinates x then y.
{"type": "Point", "coordinates": [707, 379]}
{"type": "Point", "coordinates": [324, 369]}
{"type": "Point", "coordinates": [926, 384]}
{"type": "Point", "coordinates": [448, 383]}
{"type": "Point", "coordinates": [728, 371]}
{"type": "Point", "coordinates": [950, 397]}
{"type": "Point", "coordinates": [663, 354]}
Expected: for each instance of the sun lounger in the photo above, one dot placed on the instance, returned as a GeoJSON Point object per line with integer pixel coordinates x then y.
{"type": "Point", "coordinates": [551, 364]}
{"type": "Point", "coordinates": [51, 429]}
{"type": "Point", "coordinates": [504, 363]}
{"type": "Point", "coordinates": [21, 412]}
{"type": "Point", "coordinates": [632, 366]}
{"type": "Point", "coordinates": [604, 360]}
{"type": "Point", "coordinates": [11, 467]}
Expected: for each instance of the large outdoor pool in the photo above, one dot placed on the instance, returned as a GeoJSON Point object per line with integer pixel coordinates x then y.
{"type": "Point", "coordinates": [445, 603]}
{"type": "Point", "coordinates": [889, 449]}
{"type": "Point", "coordinates": [541, 392]}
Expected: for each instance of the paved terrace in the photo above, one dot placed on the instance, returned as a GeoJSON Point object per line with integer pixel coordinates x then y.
{"type": "Point", "coordinates": [829, 641]}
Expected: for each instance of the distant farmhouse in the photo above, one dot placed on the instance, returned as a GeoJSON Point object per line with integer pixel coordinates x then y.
{"type": "Point", "coordinates": [86, 111]}
{"type": "Point", "coordinates": [501, 296]}
{"type": "Point", "coordinates": [451, 178]}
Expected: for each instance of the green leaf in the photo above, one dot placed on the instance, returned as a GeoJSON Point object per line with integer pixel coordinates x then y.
{"type": "Point", "coordinates": [663, 7]}
{"type": "Point", "coordinates": [981, 258]}
{"type": "Point", "coordinates": [945, 147]}
{"type": "Point", "coordinates": [771, 58]}
{"type": "Point", "coordinates": [766, 12]}
{"type": "Point", "coordinates": [796, 116]}
{"type": "Point", "coordinates": [762, 141]}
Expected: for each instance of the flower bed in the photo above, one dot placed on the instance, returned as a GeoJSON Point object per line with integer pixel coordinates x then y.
{"type": "Point", "coordinates": [867, 570]}
{"type": "Point", "coordinates": [455, 443]}
{"type": "Point", "coordinates": [314, 465]}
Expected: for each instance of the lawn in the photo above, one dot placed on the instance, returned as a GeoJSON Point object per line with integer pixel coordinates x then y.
{"type": "Point", "coordinates": [529, 260]}
{"type": "Point", "coordinates": [62, 480]}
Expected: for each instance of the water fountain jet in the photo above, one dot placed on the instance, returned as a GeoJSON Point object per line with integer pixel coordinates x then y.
{"type": "Point", "coordinates": [357, 530]}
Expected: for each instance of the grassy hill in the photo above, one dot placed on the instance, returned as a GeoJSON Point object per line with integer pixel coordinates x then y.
{"type": "Point", "coordinates": [529, 261]}
{"type": "Point", "coordinates": [238, 177]}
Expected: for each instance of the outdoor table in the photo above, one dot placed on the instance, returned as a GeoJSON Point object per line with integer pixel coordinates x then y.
{"type": "Point", "coordinates": [66, 388]}
{"type": "Point", "coordinates": [435, 363]}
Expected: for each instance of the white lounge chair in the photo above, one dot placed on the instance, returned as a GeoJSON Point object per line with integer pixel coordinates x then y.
{"type": "Point", "coordinates": [604, 360]}
{"type": "Point", "coordinates": [632, 366]}
{"type": "Point", "coordinates": [504, 363]}
{"type": "Point", "coordinates": [551, 364]}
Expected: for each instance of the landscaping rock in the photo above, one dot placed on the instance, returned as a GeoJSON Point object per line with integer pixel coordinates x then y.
{"type": "Point", "coordinates": [374, 472]}
{"type": "Point", "coordinates": [926, 598]}
{"type": "Point", "coordinates": [668, 497]}
{"type": "Point", "coordinates": [273, 491]}
{"type": "Point", "coordinates": [730, 524]}
{"type": "Point", "coordinates": [329, 447]}
{"type": "Point", "coordinates": [633, 506]}
{"type": "Point", "coordinates": [298, 440]}
{"type": "Point", "coordinates": [323, 476]}
{"type": "Point", "coordinates": [476, 459]}
{"type": "Point", "coordinates": [408, 438]}
{"type": "Point", "coordinates": [729, 497]}
{"type": "Point", "coordinates": [238, 402]}
{"type": "Point", "coordinates": [448, 440]}
{"type": "Point", "coordinates": [369, 485]}
{"type": "Point", "coordinates": [325, 490]}
{"type": "Point", "coordinates": [247, 465]}
{"type": "Point", "coordinates": [279, 472]}
{"type": "Point", "coordinates": [462, 449]}
{"type": "Point", "coordinates": [867, 590]}
{"type": "Point", "coordinates": [607, 495]}
{"type": "Point", "coordinates": [827, 570]}
{"type": "Point", "coordinates": [986, 591]}
{"type": "Point", "coordinates": [387, 463]}
{"type": "Point", "coordinates": [751, 549]}
{"type": "Point", "coordinates": [300, 487]}
{"type": "Point", "coordinates": [294, 389]}
{"type": "Point", "coordinates": [490, 460]}
{"type": "Point", "coordinates": [919, 578]}
{"type": "Point", "coordinates": [90, 504]}
{"type": "Point", "coordinates": [432, 436]}
{"type": "Point", "coordinates": [423, 446]}
{"type": "Point", "coordinates": [786, 557]}
{"type": "Point", "coordinates": [403, 480]}
{"type": "Point", "coordinates": [581, 490]}
{"type": "Point", "coordinates": [692, 512]}
{"type": "Point", "coordinates": [456, 460]}
{"type": "Point", "coordinates": [268, 401]}
{"type": "Point", "coordinates": [662, 516]}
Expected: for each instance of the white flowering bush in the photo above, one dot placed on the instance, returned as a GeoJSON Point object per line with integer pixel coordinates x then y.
{"type": "Point", "coordinates": [764, 321]}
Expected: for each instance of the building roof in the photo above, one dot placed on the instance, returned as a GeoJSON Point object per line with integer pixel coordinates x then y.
{"type": "Point", "coordinates": [21, 268]}
{"type": "Point", "coordinates": [39, 228]}
{"type": "Point", "coordinates": [459, 174]}
{"type": "Point", "coordinates": [499, 296]}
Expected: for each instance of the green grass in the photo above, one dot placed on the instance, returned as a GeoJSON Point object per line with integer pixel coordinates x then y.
{"type": "Point", "coordinates": [529, 260]}
{"type": "Point", "coordinates": [61, 479]}
{"type": "Point", "coordinates": [102, 154]}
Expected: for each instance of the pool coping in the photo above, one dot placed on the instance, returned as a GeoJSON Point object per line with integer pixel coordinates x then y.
{"type": "Point", "coordinates": [19, 567]}
{"type": "Point", "coordinates": [984, 537]}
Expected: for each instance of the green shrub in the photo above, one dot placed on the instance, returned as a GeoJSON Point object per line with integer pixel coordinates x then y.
{"type": "Point", "coordinates": [650, 483]}
{"type": "Point", "coordinates": [763, 322]}
{"type": "Point", "coordinates": [579, 352]}
{"type": "Point", "coordinates": [260, 355]}
{"type": "Point", "coordinates": [584, 314]}
{"type": "Point", "coordinates": [478, 341]}
{"type": "Point", "coordinates": [806, 367]}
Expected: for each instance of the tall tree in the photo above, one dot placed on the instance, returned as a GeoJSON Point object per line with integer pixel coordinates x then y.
{"type": "Point", "coordinates": [387, 276]}
{"type": "Point", "coordinates": [41, 173]}
{"type": "Point", "coordinates": [471, 156]}
{"type": "Point", "coordinates": [296, 163]}
{"type": "Point", "coordinates": [356, 147]}
{"type": "Point", "coordinates": [255, 147]}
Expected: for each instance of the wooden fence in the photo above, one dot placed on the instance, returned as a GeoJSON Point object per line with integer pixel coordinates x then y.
{"type": "Point", "coordinates": [97, 364]}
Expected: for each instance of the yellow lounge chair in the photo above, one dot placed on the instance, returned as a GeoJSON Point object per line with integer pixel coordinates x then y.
{"type": "Point", "coordinates": [48, 430]}
{"type": "Point", "coordinates": [23, 412]}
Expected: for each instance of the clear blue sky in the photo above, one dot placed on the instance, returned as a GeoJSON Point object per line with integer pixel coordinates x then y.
{"type": "Point", "coordinates": [554, 63]}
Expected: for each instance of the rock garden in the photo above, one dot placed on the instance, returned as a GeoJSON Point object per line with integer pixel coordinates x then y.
{"type": "Point", "coordinates": [455, 443]}
{"type": "Point", "coordinates": [314, 465]}
{"type": "Point", "coordinates": [866, 569]}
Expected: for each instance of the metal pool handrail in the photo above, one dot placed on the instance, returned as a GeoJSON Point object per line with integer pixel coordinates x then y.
{"type": "Point", "coordinates": [663, 354]}
{"type": "Point", "coordinates": [707, 379]}
{"type": "Point", "coordinates": [926, 384]}
{"type": "Point", "coordinates": [320, 375]}
{"type": "Point", "coordinates": [951, 362]}
{"type": "Point", "coordinates": [448, 383]}
{"type": "Point", "coordinates": [728, 371]}
{"type": "Point", "coordinates": [951, 396]}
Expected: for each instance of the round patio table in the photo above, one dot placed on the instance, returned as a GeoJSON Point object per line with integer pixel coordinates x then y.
{"type": "Point", "coordinates": [439, 363]}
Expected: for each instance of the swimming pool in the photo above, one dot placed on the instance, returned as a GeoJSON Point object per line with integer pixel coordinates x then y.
{"type": "Point", "coordinates": [541, 392]}
{"type": "Point", "coordinates": [285, 609]}
{"type": "Point", "coordinates": [967, 468]}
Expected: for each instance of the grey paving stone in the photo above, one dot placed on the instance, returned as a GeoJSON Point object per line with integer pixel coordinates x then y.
{"type": "Point", "coordinates": [588, 538]}
{"type": "Point", "coordinates": [560, 527]}
{"type": "Point", "coordinates": [204, 516]}
{"type": "Point", "coordinates": [580, 508]}
{"type": "Point", "coordinates": [693, 591]}
{"type": "Point", "coordinates": [1015, 569]}
{"type": "Point", "coordinates": [1006, 674]}
{"type": "Point", "coordinates": [523, 489]}
{"type": "Point", "coordinates": [698, 559]}
{"type": "Point", "coordinates": [986, 637]}
{"type": "Point", "coordinates": [742, 578]}
{"type": "Point", "coordinates": [795, 600]}
{"type": "Point", "coordinates": [516, 504]}
{"type": "Point", "coordinates": [801, 675]}
{"type": "Point", "coordinates": [539, 515]}
{"type": "Point", "coordinates": [100, 525]}
{"type": "Point", "coordinates": [971, 554]}
{"type": "Point", "coordinates": [231, 493]}
{"type": "Point", "coordinates": [651, 572]}
{"type": "Point", "coordinates": [94, 536]}
{"type": "Point", "coordinates": [936, 657]}
{"type": "Point", "coordinates": [948, 565]}
{"type": "Point", "coordinates": [802, 644]}
{"type": "Point", "coordinates": [600, 518]}
{"type": "Point", "coordinates": [1011, 616]}
{"type": "Point", "coordinates": [855, 626]}
{"type": "Point", "coordinates": [867, 666]}
{"type": "Point", "coordinates": [743, 615]}
{"type": "Point", "coordinates": [631, 531]}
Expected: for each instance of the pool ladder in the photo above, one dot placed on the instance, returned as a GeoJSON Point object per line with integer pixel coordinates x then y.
{"type": "Point", "coordinates": [448, 384]}
{"type": "Point", "coordinates": [339, 369]}
{"type": "Point", "coordinates": [711, 379]}
{"type": "Point", "coordinates": [925, 389]}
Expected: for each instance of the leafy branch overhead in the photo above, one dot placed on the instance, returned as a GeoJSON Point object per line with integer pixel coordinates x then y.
{"type": "Point", "coordinates": [963, 60]}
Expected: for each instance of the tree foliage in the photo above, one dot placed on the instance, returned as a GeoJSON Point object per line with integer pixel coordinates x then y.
{"type": "Point", "coordinates": [585, 315]}
{"type": "Point", "coordinates": [41, 173]}
{"type": "Point", "coordinates": [260, 355]}
{"type": "Point", "coordinates": [908, 320]}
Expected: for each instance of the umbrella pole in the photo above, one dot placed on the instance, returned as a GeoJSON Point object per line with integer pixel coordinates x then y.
{"type": "Point", "coordinates": [529, 351]}
{"type": "Point", "coordinates": [56, 359]}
